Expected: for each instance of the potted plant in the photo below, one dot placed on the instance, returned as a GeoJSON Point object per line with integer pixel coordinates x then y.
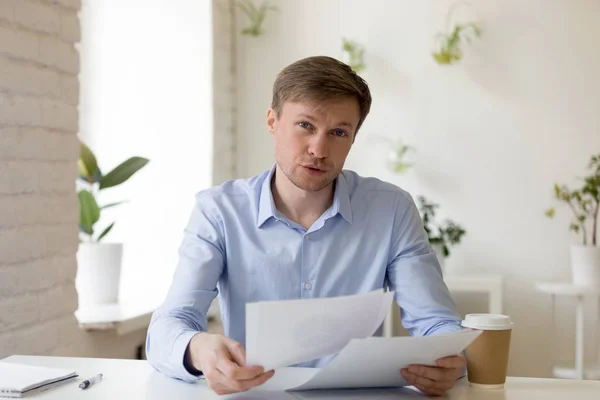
{"type": "Point", "coordinates": [353, 54]}
{"type": "Point", "coordinates": [256, 15]}
{"type": "Point", "coordinates": [98, 262]}
{"type": "Point", "coordinates": [449, 44]}
{"type": "Point", "coordinates": [441, 235]}
{"type": "Point", "coordinates": [585, 206]}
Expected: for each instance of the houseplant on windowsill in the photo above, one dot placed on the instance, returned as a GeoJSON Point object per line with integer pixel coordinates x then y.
{"type": "Point", "coordinates": [585, 206]}
{"type": "Point", "coordinates": [441, 235]}
{"type": "Point", "coordinates": [98, 263]}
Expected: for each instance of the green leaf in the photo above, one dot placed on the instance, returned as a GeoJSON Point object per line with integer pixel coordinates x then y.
{"type": "Point", "coordinates": [105, 232]}
{"type": "Point", "coordinates": [89, 212]}
{"type": "Point", "coordinates": [87, 164]}
{"type": "Point", "coordinates": [104, 207]}
{"type": "Point", "coordinates": [550, 212]}
{"type": "Point", "coordinates": [574, 228]}
{"type": "Point", "coordinates": [123, 172]}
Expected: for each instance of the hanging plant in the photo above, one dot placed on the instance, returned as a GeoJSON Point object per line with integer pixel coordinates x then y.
{"type": "Point", "coordinates": [449, 43]}
{"type": "Point", "coordinates": [353, 55]}
{"type": "Point", "coordinates": [256, 15]}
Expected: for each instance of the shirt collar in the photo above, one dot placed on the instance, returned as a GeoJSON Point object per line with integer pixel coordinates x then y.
{"type": "Point", "coordinates": [267, 209]}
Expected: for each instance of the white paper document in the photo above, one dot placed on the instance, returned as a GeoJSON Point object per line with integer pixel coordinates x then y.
{"type": "Point", "coordinates": [288, 332]}
{"type": "Point", "coordinates": [371, 363]}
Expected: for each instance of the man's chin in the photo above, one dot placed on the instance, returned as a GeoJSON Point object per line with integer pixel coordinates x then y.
{"type": "Point", "coordinates": [311, 185]}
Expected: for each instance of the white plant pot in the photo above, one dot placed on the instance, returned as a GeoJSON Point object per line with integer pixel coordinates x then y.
{"type": "Point", "coordinates": [98, 273]}
{"type": "Point", "coordinates": [585, 265]}
{"type": "Point", "coordinates": [439, 252]}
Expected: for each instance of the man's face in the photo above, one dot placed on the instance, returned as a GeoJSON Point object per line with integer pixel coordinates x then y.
{"type": "Point", "coordinates": [311, 146]}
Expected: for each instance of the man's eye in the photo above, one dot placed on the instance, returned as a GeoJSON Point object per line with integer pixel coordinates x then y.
{"type": "Point", "coordinates": [339, 132]}
{"type": "Point", "coordinates": [304, 125]}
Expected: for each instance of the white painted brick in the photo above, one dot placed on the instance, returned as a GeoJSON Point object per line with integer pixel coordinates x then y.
{"type": "Point", "coordinates": [37, 339]}
{"type": "Point", "coordinates": [19, 110]}
{"type": "Point", "coordinates": [70, 28]}
{"type": "Point", "coordinates": [36, 16]}
{"type": "Point", "coordinates": [20, 78]}
{"type": "Point", "coordinates": [37, 144]}
{"type": "Point", "coordinates": [58, 177]}
{"type": "Point", "coordinates": [18, 311]}
{"type": "Point", "coordinates": [36, 275]}
{"type": "Point", "coordinates": [69, 89]}
{"type": "Point", "coordinates": [19, 44]}
{"type": "Point", "coordinates": [58, 115]}
{"type": "Point", "coordinates": [58, 54]}
{"type": "Point", "coordinates": [57, 301]}
{"type": "Point", "coordinates": [72, 4]}
{"type": "Point", "coordinates": [31, 209]}
{"type": "Point", "coordinates": [19, 177]}
{"type": "Point", "coordinates": [23, 244]}
{"type": "Point", "coordinates": [7, 10]}
{"type": "Point", "coordinates": [22, 177]}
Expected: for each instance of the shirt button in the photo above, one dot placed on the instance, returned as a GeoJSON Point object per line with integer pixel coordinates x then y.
{"type": "Point", "coordinates": [307, 286]}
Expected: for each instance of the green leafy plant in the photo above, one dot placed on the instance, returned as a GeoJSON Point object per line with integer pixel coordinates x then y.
{"type": "Point", "coordinates": [583, 202]}
{"type": "Point", "coordinates": [449, 43]}
{"type": "Point", "coordinates": [256, 15]}
{"type": "Point", "coordinates": [399, 162]}
{"type": "Point", "coordinates": [447, 234]}
{"type": "Point", "coordinates": [450, 50]}
{"type": "Point", "coordinates": [92, 180]}
{"type": "Point", "coordinates": [354, 55]}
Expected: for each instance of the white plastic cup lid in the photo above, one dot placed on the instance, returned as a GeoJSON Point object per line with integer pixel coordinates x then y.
{"type": "Point", "coordinates": [488, 322]}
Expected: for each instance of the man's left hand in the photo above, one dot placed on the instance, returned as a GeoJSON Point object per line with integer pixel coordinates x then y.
{"type": "Point", "coordinates": [435, 380]}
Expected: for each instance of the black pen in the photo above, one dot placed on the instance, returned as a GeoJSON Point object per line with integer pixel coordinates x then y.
{"type": "Point", "coordinates": [88, 382]}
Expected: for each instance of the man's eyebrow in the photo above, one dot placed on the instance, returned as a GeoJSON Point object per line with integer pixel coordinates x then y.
{"type": "Point", "coordinates": [310, 117]}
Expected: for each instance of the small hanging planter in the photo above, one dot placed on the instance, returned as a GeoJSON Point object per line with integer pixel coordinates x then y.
{"type": "Point", "coordinates": [256, 15]}
{"type": "Point", "coordinates": [353, 55]}
{"type": "Point", "coordinates": [448, 45]}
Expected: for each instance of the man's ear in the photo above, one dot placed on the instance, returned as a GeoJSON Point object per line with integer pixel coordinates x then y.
{"type": "Point", "coordinates": [271, 120]}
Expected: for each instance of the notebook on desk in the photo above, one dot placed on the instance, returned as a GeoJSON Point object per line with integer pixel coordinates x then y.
{"type": "Point", "coordinates": [18, 380]}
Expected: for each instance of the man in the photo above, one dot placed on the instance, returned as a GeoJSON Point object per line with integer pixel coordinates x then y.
{"type": "Point", "coordinates": [304, 229]}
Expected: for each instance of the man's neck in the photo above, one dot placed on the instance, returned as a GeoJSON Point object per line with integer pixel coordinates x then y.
{"type": "Point", "coordinates": [301, 206]}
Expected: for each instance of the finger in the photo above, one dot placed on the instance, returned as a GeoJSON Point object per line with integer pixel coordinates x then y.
{"type": "Point", "coordinates": [237, 351]}
{"type": "Point", "coordinates": [233, 386]}
{"type": "Point", "coordinates": [429, 391]}
{"type": "Point", "coordinates": [457, 361]}
{"type": "Point", "coordinates": [221, 383]}
{"type": "Point", "coordinates": [433, 373]}
{"type": "Point", "coordinates": [233, 371]}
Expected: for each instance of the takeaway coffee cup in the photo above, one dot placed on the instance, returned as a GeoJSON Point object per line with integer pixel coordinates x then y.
{"type": "Point", "coordinates": [487, 356]}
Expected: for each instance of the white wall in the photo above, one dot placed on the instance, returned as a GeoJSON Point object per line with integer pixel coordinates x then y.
{"type": "Point", "coordinates": [492, 134]}
{"type": "Point", "coordinates": [146, 89]}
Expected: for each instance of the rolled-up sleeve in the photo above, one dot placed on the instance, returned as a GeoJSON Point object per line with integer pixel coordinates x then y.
{"type": "Point", "coordinates": [414, 274]}
{"type": "Point", "coordinates": [194, 287]}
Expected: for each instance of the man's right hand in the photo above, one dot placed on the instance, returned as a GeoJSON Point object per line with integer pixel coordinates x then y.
{"type": "Point", "coordinates": [223, 363]}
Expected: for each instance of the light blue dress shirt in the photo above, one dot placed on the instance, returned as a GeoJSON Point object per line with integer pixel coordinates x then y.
{"type": "Point", "coordinates": [239, 246]}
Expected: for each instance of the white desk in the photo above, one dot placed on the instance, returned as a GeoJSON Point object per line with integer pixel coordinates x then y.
{"type": "Point", "coordinates": [491, 285]}
{"type": "Point", "coordinates": [136, 380]}
{"type": "Point", "coordinates": [580, 293]}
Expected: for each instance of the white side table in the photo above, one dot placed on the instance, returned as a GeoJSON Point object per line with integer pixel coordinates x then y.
{"type": "Point", "coordinates": [580, 293]}
{"type": "Point", "coordinates": [490, 284]}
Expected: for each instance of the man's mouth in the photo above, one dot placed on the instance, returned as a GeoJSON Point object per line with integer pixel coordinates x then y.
{"type": "Point", "coordinates": [313, 169]}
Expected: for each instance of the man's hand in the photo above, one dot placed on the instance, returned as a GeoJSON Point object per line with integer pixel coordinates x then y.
{"type": "Point", "coordinates": [435, 380]}
{"type": "Point", "coordinates": [223, 363]}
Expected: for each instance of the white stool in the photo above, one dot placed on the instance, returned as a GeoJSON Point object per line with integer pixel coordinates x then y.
{"type": "Point", "coordinates": [580, 293]}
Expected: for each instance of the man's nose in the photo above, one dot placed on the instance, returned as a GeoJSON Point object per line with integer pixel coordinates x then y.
{"type": "Point", "coordinates": [319, 146]}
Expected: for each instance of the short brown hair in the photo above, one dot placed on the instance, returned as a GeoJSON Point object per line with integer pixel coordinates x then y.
{"type": "Point", "coordinates": [320, 79]}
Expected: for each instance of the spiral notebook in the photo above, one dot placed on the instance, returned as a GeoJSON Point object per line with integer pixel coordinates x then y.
{"type": "Point", "coordinates": [18, 380]}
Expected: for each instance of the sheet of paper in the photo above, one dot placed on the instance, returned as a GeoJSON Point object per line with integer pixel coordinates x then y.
{"type": "Point", "coordinates": [376, 361]}
{"type": "Point", "coordinates": [288, 332]}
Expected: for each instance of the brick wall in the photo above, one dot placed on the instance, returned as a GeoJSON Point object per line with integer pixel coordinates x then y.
{"type": "Point", "coordinates": [38, 152]}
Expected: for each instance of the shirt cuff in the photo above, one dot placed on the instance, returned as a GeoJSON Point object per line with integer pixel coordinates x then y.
{"type": "Point", "coordinates": [178, 356]}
